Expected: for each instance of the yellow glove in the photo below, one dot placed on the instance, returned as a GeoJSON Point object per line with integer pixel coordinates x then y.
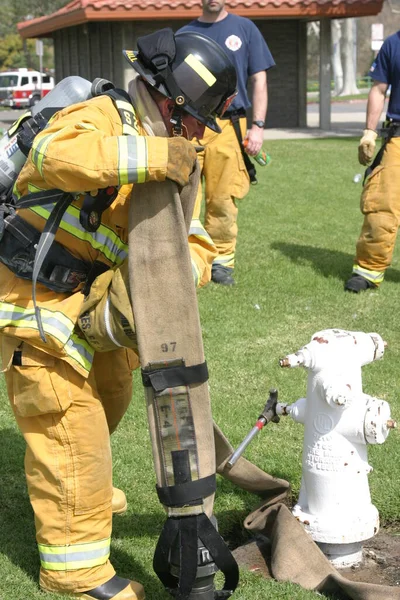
{"type": "Point", "coordinates": [366, 147]}
{"type": "Point", "coordinates": [181, 160]}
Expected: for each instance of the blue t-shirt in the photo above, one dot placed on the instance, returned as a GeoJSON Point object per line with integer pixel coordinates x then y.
{"type": "Point", "coordinates": [245, 46]}
{"type": "Point", "coordinates": [386, 69]}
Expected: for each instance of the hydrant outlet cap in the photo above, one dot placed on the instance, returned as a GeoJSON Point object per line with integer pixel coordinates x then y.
{"type": "Point", "coordinates": [377, 421]}
{"type": "Point", "coordinates": [380, 345]}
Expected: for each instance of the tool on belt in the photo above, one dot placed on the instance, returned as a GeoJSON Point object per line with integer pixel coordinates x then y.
{"type": "Point", "coordinates": [234, 117]}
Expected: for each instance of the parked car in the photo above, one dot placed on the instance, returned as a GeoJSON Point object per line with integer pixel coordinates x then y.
{"type": "Point", "coordinates": [21, 88]}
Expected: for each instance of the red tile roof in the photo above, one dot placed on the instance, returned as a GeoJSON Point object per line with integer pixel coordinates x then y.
{"type": "Point", "coordinates": [84, 11]}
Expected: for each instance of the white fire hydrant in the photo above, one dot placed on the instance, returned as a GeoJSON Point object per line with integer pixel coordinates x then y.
{"type": "Point", "coordinates": [339, 421]}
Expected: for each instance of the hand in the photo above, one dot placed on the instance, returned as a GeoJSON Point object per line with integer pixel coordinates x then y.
{"type": "Point", "coordinates": [366, 147]}
{"type": "Point", "coordinates": [254, 140]}
{"type": "Point", "coordinates": [181, 160]}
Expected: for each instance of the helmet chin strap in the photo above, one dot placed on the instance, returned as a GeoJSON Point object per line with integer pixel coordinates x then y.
{"type": "Point", "coordinates": [176, 120]}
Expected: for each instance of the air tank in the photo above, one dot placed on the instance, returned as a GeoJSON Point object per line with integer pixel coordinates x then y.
{"type": "Point", "coordinates": [68, 91]}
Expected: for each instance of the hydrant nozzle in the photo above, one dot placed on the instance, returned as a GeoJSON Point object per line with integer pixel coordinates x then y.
{"type": "Point", "coordinates": [298, 359]}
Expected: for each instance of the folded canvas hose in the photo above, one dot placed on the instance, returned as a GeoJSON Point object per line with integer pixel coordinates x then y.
{"type": "Point", "coordinates": [175, 378]}
{"type": "Point", "coordinates": [295, 557]}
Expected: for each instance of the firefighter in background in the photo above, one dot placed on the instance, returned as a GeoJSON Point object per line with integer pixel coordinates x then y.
{"type": "Point", "coordinates": [380, 200]}
{"type": "Point", "coordinates": [64, 396]}
{"type": "Point", "coordinates": [225, 173]}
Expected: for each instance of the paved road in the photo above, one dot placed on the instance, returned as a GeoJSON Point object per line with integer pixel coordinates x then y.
{"type": "Point", "coordinates": [347, 119]}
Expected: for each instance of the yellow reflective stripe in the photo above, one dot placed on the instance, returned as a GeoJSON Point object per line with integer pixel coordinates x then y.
{"type": "Point", "coordinates": [374, 276]}
{"type": "Point", "coordinates": [72, 548]}
{"type": "Point", "coordinates": [16, 193]}
{"type": "Point", "coordinates": [197, 230]}
{"type": "Point", "coordinates": [200, 69]}
{"type": "Point", "coordinates": [128, 117]}
{"type": "Point", "coordinates": [88, 126]}
{"type": "Point", "coordinates": [74, 556]}
{"type": "Point", "coordinates": [132, 159]}
{"type": "Point", "coordinates": [105, 240]}
{"type": "Point", "coordinates": [196, 273]}
{"type": "Point", "coordinates": [39, 148]}
{"type": "Point", "coordinates": [16, 124]}
{"type": "Point", "coordinates": [226, 260]}
{"type": "Point", "coordinates": [34, 188]}
{"type": "Point", "coordinates": [55, 324]}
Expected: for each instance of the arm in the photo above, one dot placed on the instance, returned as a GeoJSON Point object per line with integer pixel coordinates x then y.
{"type": "Point", "coordinates": [83, 149]}
{"type": "Point", "coordinates": [255, 135]}
{"type": "Point", "coordinates": [376, 103]}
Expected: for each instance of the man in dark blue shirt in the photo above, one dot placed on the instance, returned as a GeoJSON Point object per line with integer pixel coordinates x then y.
{"type": "Point", "coordinates": [380, 200]}
{"type": "Point", "coordinates": [224, 170]}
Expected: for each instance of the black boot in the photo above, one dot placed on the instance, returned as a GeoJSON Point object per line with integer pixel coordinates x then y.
{"type": "Point", "coordinates": [115, 588]}
{"type": "Point", "coordinates": [357, 284]}
{"type": "Point", "coordinates": [222, 275]}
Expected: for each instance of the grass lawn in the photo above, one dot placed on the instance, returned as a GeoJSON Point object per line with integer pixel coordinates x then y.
{"type": "Point", "coordinates": [297, 234]}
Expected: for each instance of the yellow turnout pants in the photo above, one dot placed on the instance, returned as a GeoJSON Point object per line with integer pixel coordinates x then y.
{"type": "Point", "coordinates": [225, 179]}
{"type": "Point", "coordinates": [380, 205]}
{"type": "Point", "coordinates": [66, 421]}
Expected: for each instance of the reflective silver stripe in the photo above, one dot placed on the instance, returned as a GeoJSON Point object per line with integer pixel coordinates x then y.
{"type": "Point", "coordinates": [196, 273]}
{"type": "Point", "coordinates": [197, 229]}
{"type": "Point", "coordinates": [132, 159]}
{"type": "Point", "coordinates": [374, 276]}
{"type": "Point", "coordinates": [108, 324]}
{"type": "Point", "coordinates": [55, 324]}
{"type": "Point", "coordinates": [10, 314]}
{"type": "Point", "coordinates": [83, 348]}
{"type": "Point", "coordinates": [226, 260]}
{"type": "Point", "coordinates": [104, 240]}
{"type": "Point", "coordinates": [75, 556]}
{"type": "Point", "coordinates": [39, 148]}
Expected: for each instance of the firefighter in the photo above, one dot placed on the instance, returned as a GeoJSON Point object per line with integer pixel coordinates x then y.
{"type": "Point", "coordinates": [226, 168]}
{"type": "Point", "coordinates": [64, 396]}
{"type": "Point", "coordinates": [380, 200]}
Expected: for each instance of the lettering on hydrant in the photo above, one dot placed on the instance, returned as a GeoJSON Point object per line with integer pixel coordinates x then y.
{"type": "Point", "coordinates": [339, 421]}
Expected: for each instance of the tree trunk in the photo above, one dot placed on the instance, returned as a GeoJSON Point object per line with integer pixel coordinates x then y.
{"type": "Point", "coordinates": [336, 56]}
{"type": "Point", "coordinates": [349, 79]}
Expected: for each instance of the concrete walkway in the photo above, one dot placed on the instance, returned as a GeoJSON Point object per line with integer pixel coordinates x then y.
{"type": "Point", "coordinates": [347, 120]}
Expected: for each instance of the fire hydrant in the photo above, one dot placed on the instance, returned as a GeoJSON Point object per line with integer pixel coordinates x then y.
{"type": "Point", "coordinates": [339, 421]}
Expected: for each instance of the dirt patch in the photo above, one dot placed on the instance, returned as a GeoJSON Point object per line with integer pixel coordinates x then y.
{"type": "Point", "coordinates": [381, 564]}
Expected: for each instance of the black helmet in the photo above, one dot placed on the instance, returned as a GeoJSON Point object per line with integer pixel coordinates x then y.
{"type": "Point", "coordinates": [190, 68]}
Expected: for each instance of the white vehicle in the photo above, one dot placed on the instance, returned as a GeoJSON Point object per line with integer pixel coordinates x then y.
{"type": "Point", "coordinates": [21, 88]}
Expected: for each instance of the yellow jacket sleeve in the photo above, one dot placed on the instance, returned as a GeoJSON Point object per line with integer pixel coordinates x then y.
{"type": "Point", "coordinates": [83, 149]}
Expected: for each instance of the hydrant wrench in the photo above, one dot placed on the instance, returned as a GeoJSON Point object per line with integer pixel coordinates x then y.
{"type": "Point", "coordinates": [267, 415]}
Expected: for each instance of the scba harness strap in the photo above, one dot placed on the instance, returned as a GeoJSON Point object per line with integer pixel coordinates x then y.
{"type": "Point", "coordinates": [36, 256]}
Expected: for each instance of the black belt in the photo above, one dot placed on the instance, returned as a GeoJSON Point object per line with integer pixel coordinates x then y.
{"type": "Point", "coordinates": [234, 114]}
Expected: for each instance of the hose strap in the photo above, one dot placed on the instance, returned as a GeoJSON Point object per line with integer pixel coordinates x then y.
{"type": "Point", "coordinates": [170, 377]}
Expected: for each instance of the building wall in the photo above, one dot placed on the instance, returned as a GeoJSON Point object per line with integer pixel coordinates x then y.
{"type": "Point", "coordinates": [95, 50]}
